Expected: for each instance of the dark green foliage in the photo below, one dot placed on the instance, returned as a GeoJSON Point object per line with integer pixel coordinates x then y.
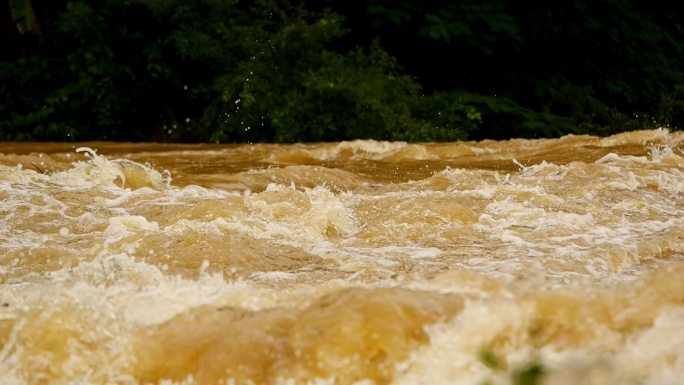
{"type": "Point", "coordinates": [543, 68]}
{"type": "Point", "coordinates": [327, 96]}
{"type": "Point", "coordinates": [211, 70]}
{"type": "Point", "coordinates": [24, 17]}
{"type": "Point", "coordinates": [237, 71]}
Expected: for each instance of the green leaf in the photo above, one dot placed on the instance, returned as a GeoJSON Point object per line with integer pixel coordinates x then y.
{"type": "Point", "coordinates": [24, 17]}
{"type": "Point", "coordinates": [530, 375]}
{"type": "Point", "coordinates": [490, 359]}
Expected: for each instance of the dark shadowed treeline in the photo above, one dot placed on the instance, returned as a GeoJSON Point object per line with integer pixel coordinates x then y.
{"type": "Point", "coordinates": [236, 71]}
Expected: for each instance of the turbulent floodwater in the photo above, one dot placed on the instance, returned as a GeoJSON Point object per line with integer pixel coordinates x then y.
{"type": "Point", "coordinates": [345, 263]}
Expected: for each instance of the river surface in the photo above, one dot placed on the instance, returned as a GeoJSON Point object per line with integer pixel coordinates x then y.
{"type": "Point", "coordinates": [358, 262]}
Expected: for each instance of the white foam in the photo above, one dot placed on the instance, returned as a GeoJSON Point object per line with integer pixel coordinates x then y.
{"type": "Point", "coordinates": [127, 224]}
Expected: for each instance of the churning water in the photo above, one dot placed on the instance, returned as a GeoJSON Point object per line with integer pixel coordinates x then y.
{"type": "Point", "coordinates": [344, 263]}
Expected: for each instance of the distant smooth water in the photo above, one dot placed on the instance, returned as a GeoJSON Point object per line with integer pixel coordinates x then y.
{"type": "Point", "coordinates": [358, 262]}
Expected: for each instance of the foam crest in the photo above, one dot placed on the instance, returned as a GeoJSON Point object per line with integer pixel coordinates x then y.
{"type": "Point", "coordinates": [644, 137]}
{"type": "Point", "coordinates": [312, 214]}
{"type": "Point", "coordinates": [368, 149]}
{"type": "Point", "coordinates": [99, 171]}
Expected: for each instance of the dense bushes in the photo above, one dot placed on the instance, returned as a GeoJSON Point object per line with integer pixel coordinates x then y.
{"type": "Point", "coordinates": [235, 71]}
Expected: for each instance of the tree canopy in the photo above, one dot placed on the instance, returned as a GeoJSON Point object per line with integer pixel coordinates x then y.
{"type": "Point", "coordinates": [285, 71]}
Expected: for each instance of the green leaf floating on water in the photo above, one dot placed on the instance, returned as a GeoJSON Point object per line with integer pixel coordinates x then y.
{"type": "Point", "coordinates": [529, 375]}
{"type": "Point", "coordinates": [490, 359]}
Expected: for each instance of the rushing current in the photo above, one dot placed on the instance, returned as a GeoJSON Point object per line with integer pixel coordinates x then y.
{"type": "Point", "coordinates": [557, 261]}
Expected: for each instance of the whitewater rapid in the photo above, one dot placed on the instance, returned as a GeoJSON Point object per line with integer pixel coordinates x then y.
{"type": "Point", "coordinates": [357, 262]}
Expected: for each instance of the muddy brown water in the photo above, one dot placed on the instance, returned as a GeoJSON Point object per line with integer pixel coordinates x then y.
{"type": "Point", "coordinates": [358, 262]}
